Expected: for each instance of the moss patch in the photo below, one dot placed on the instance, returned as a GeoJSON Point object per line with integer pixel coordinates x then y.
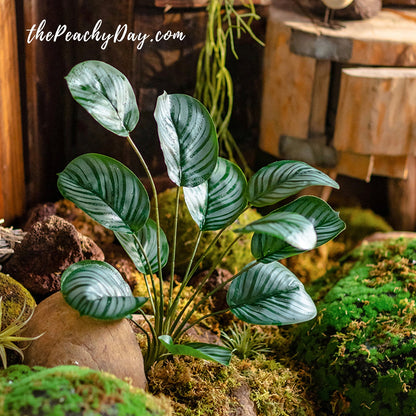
{"type": "Point", "coordinates": [362, 346]}
{"type": "Point", "coordinates": [203, 388]}
{"type": "Point", "coordinates": [70, 390]}
{"type": "Point", "coordinates": [15, 297]}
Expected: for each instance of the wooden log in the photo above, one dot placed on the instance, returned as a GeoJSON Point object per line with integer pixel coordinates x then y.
{"type": "Point", "coordinates": [287, 89]}
{"type": "Point", "coordinates": [402, 200]}
{"type": "Point", "coordinates": [376, 111]}
{"type": "Point", "coordinates": [12, 186]}
{"type": "Point", "coordinates": [387, 39]}
{"type": "Point", "coordinates": [364, 166]}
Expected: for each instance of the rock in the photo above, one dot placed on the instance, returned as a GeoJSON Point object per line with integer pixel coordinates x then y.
{"type": "Point", "coordinates": [70, 390]}
{"type": "Point", "coordinates": [245, 406]}
{"type": "Point", "coordinates": [84, 223]}
{"type": "Point", "coordinates": [71, 339]}
{"type": "Point", "coordinates": [39, 212]}
{"type": "Point", "coordinates": [362, 346]}
{"type": "Point", "coordinates": [47, 250]}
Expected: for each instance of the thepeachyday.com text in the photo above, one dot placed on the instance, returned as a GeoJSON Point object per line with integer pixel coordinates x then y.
{"type": "Point", "coordinates": [120, 34]}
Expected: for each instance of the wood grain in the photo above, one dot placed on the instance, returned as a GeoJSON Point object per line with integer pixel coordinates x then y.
{"type": "Point", "coordinates": [377, 111]}
{"type": "Point", "coordinates": [12, 186]}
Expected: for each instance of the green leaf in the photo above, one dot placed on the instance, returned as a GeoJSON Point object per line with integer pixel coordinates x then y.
{"type": "Point", "coordinates": [106, 94]}
{"type": "Point", "coordinates": [107, 191]}
{"type": "Point", "coordinates": [187, 137]}
{"type": "Point", "coordinates": [148, 239]}
{"type": "Point", "coordinates": [217, 202]}
{"type": "Point", "coordinates": [293, 228]}
{"type": "Point", "coordinates": [284, 178]}
{"type": "Point", "coordinates": [96, 289]}
{"type": "Point", "coordinates": [270, 294]}
{"type": "Point", "coordinates": [201, 350]}
{"type": "Point", "coordinates": [325, 220]}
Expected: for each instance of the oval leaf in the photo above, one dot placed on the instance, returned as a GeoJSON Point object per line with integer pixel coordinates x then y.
{"type": "Point", "coordinates": [293, 228]}
{"type": "Point", "coordinates": [325, 220]}
{"type": "Point", "coordinates": [106, 94]}
{"type": "Point", "coordinates": [270, 294]}
{"type": "Point", "coordinates": [96, 289]}
{"type": "Point", "coordinates": [148, 239]}
{"type": "Point", "coordinates": [107, 191]}
{"type": "Point", "coordinates": [187, 137]}
{"type": "Point", "coordinates": [284, 178]}
{"type": "Point", "coordinates": [201, 350]}
{"type": "Point", "coordinates": [217, 202]}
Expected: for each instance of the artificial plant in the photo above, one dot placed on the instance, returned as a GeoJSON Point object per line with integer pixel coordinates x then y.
{"type": "Point", "coordinates": [216, 193]}
{"type": "Point", "coordinates": [214, 83]}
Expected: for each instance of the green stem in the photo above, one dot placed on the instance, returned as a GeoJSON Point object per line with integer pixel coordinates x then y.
{"type": "Point", "coordinates": [159, 319]}
{"type": "Point", "coordinates": [153, 299]}
{"type": "Point", "coordinates": [183, 330]}
{"type": "Point", "coordinates": [175, 233]}
{"type": "Point", "coordinates": [198, 290]}
{"type": "Point", "coordinates": [186, 278]}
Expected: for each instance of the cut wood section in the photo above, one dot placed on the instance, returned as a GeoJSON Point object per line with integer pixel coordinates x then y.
{"type": "Point", "coordinates": [402, 200]}
{"type": "Point", "coordinates": [388, 39]}
{"type": "Point", "coordinates": [287, 89]}
{"type": "Point", "coordinates": [363, 166]}
{"type": "Point", "coordinates": [12, 186]}
{"type": "Point", "coordinates": [376, 111]}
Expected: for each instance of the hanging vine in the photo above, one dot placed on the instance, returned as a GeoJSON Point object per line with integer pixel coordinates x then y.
{"type": "Point", "coordinates": [214, 84]}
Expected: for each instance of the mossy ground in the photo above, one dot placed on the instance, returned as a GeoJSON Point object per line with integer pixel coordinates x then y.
{"type": "Point", "coordinates": [199, 388]}
{"type": "Point", "coordinates": [70, 390]}
{"type": "Point", "coordinates": [362, 346]}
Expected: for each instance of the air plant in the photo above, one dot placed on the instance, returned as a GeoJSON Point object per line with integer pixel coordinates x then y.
{"type": "Point", "coordinates": [245, 342]}
{"type": "Point", "coordinates": [10, 334]}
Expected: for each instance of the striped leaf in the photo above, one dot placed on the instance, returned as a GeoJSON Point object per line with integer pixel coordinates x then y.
{"type": "Point", "coordinates": [292, 228]}
{"type": "Point", "coordinates": [147, 236]}
{"type": "Point", "coordinates": [210, 352]}
{"type": "Point", "coordinates": [107, 191]}
{"type": "Point", "coordinates": [106, 94]}
{"type": "Point", "coordinates": [270, 294]}
{"type": "Point", "coordinates": [325, 220]}
{"type": "Point", "coordinates": [187, 137]}
{"type": "Point", "coordinates": [217, 202]}
{"type": "Point", "coordinates": [96, 289]}
{"type": "Point", "coordinates": [284, 178]}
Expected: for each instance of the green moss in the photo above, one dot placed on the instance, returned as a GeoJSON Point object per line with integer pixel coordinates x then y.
{"type": "Point", "coordinates": [360, 223]}
{"type": "Point", "coordinates": [204, 388]}
{"type": "Point", "coordinates": [14, 296]}
{"type": "Point", "coordinates": [70, 390]}
{"type": "Point", "coordinates": [362, 345]}
{"type": "Point", "coordinates": [234, 261]}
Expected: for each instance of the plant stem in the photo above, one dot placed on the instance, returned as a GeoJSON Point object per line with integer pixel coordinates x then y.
{"type": "Point", "coordinates": [182, 329]}
{"type": "Point", "coordinates": [153, 299]}
{"type": "Point", "coordinates": [175, 234]}
{"type": "Point", "coordinates": [158, 319]}
{"type": "Point", "coordinates": [186, 278]}
{"type": "Point", "coordinates": [201, 285]}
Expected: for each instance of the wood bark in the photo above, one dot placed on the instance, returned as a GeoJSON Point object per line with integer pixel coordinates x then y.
{"type": "Point", "coordinates": [12, 186]}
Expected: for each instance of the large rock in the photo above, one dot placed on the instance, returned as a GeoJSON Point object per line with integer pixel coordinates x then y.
{"type": "Point", "coordinates": [71, 339]}
{"type": "Point", "coordinates": [47, 250]}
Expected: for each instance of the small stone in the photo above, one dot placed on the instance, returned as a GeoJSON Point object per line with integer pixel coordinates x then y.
{"type": "Point", "coordinates": [71, 339]}
{"type": "Point", "coordinates": [47, 250]}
